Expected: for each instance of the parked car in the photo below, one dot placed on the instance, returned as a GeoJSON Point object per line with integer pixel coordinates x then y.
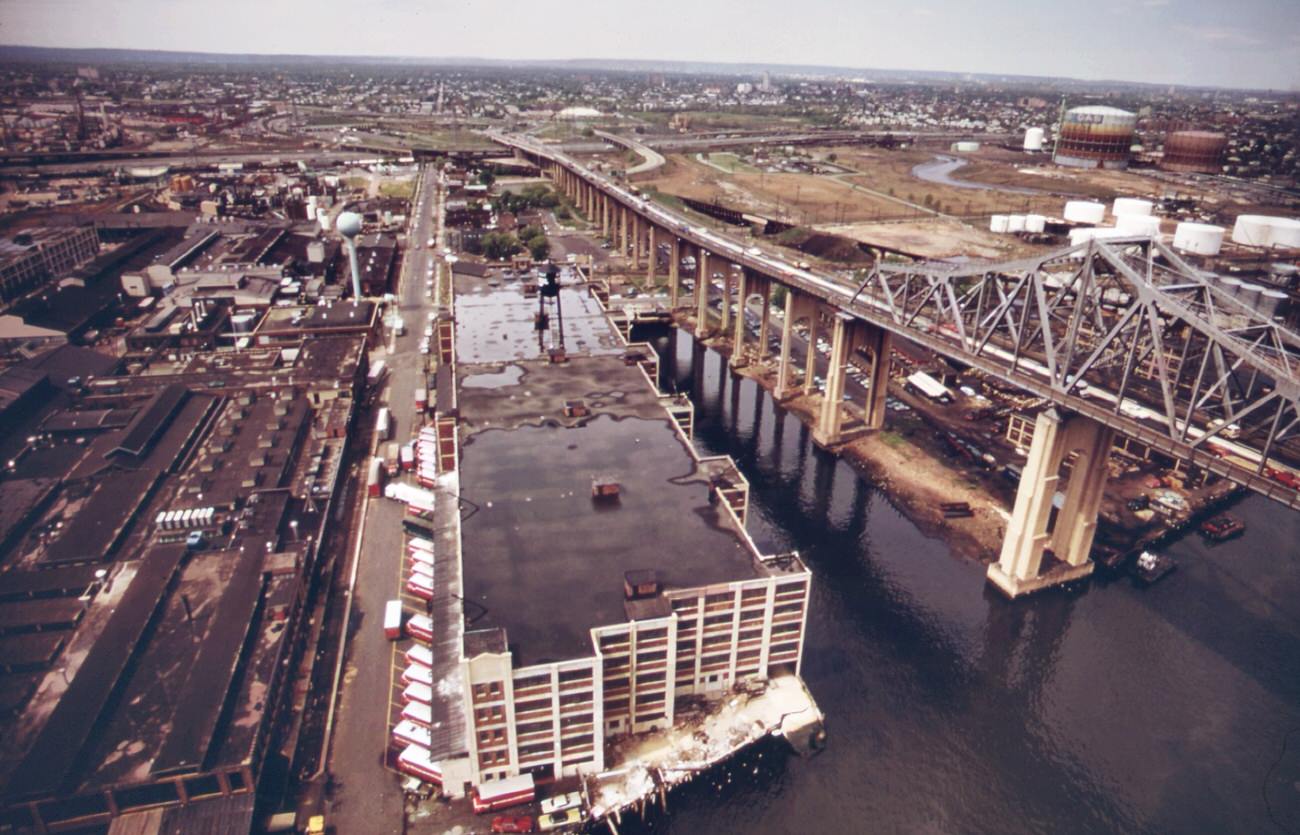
{"type": "Point", "coordinates": [512, 823]}
{"type": "Point", "coordinates": [555, 820]}
{"type": "Point", "coordinates": [561, 802]}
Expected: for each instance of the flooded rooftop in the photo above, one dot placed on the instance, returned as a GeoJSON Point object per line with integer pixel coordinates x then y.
{"type": "Point", "coordinates": [544, 558]}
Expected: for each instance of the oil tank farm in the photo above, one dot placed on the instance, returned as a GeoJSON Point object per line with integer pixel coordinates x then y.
{"type": "Point", "coordinates": [1194, 151]}
{"type": "Point", "coordinates": [1095, 136]}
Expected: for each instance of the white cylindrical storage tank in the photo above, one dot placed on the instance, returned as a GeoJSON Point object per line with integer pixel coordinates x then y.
{"type": "Point", "coordinates": [324, 218]}
{"type": "Point", "coordinates": [1198, 238]}
{"type": "Point", "coordinates": [1144, 225]}
{"type": "Point", "coordinates": [1034, 139]}
{"type": "Point", "coordinates": [311, 212]}
{"type": "Point", "coordinates": [1230, 285]}
{"type": "Point", "coordinates": [1124, 206]}
{"type": "Point", "coordinates": [998, 223]}
{"type": "Point", "coordinates": [1284, 232]}
{"type": "Point", "coordinates": [1270, 302]}
{"type": "Point", "coordinates": [1248, 294]}
{"type": "Point", "coordinates": [1015, 223]}
{"type": "Point", "coordinates": [1035, 223]}
{"type": "Point", "coordinates": [1078, 236]}
{"type": "Point", "coordinates": [1251, 230]}
{"type": "Point", "coordinates": [1084, 211]}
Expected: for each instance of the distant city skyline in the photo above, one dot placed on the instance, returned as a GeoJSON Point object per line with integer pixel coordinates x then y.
{"type": "Point", "coordinates": [1250, 44]}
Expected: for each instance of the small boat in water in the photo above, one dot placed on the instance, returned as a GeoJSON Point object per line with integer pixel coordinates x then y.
{"type": "Point", "coordinates": [1151, 566]}
{"type": "Point", "coordinates": [1222, 527]}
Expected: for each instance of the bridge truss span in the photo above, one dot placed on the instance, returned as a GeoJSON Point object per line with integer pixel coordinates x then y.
{"type": "Point", "coordinates": [1125, 332]}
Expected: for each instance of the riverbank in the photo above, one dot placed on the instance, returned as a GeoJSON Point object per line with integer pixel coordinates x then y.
{"type": "Point", "coordinates": [906, 461]}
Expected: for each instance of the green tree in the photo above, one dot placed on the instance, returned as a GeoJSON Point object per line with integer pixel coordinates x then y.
{"type": "Point", "coordinates": [487, 178]}
{"type": "Point", "coordinates": [539, 247]}
{"type": "Point", "coordinates": [527, 233]}
{"type": "Point", "coordinates": [500, 245]}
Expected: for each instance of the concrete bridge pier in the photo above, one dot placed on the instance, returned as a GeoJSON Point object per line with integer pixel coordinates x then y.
{"type": "Point", "coordinates": [1019, 569]}
{"type": "Point", "coordinates": [787, 330]}
{"type": "Point", "coordinates": [880, 342]}
{"type": "Point", "coordinates": [674, 270]}
{"type": "Point", "coordinates": [653, 257]}
{"type": "Point", "coordinates": [725, 308]}
{"type": "Point", "coordinates": [765, 317]}
{"type": "Point", "coordinates": [623, 230]}
{"type": "Point", "coordinates": [637, 232]}
{"type": "Point", "coordinates": [701, 293]}
{"type": "Point", "coordinates": [738, 335]}
{"type": "Point", "coordinates": [604, 215]}
{"type": "Point", "coordinates": [810, 361]}
{"type": "Point", "coordinates": [831, 418]}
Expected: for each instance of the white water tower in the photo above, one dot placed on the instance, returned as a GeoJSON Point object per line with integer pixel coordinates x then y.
{"type": "Point", "coordinates": [349, 226]}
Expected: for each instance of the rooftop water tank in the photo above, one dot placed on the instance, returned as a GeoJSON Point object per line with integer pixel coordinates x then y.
{"type": "Point", "coordinates": [1034, 139]}
{"type": "Point", "coordinates": [1015, 223]}
{"type": "Point", "coordinates": [1084, 211]}
{"type": "Point", "coordinates": [1035, 223]}
{"type": "Point", "coordinates": [1130, 206]}
{"type": "Point", "coordinates": [998, 223]}
{"type": "Point", "coordinates": [1198, 238]}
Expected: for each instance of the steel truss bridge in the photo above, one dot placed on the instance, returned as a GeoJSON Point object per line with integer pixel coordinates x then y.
{"type": "Point", "coordinates": [1124, 332]}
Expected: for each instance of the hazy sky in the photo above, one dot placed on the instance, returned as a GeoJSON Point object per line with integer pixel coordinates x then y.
{"type": "Point", "coordinates": [1235, 43]}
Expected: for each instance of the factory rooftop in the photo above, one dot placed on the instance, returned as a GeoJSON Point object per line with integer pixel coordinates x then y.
{"type": "Point", "coordinates": [153, 574]}
{"type": "Point", "coordinates": [544, 560]}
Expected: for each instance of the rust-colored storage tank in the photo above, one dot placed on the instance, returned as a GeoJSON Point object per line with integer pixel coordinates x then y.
{"type": "Point", "coordinates": [1095, 137]}
{"type": "Point", "coordinates": [1194, 151]}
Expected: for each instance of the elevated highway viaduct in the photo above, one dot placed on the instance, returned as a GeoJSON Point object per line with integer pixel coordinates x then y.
{"type": "Point", "coordinates": [1121, 336]}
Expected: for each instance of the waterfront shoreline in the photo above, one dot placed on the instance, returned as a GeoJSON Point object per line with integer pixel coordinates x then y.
{"type": "Point", "coordinates": [915, 481]}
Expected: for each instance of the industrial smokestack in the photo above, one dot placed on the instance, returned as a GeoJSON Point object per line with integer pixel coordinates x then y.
{"type": "Point", "coordinates": [349, 226]}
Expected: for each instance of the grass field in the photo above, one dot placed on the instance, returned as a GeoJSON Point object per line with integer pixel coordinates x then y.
{"type": "Point", "coordinates": [404, 189]}
{"type": "Point", "coordinates": [731, 163]}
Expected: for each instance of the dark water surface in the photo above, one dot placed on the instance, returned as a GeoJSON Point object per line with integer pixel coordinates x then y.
{"type": "Point", "coordinates": [1109, 708]}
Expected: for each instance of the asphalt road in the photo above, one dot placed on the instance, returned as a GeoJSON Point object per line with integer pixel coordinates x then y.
{"type": "Point", "coordinates": [367, 797]}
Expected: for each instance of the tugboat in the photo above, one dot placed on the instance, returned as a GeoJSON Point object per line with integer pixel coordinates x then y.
{"type": "Point", "coordinates": [1151, 566]}
{"type": "Point", "coordinates": [1222, 527]}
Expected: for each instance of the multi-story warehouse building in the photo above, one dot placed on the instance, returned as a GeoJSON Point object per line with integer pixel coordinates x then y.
{"type": "Point", "coordinates": [610, 586]}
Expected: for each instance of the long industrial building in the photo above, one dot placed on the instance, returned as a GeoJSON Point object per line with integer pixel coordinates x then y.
{"type": "Point", "coordinates": [610, 587]}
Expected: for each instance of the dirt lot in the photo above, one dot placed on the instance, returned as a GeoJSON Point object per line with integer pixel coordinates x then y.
{"type": "Point", "coordinates": [878, 185]}
{"type": "Point", "coordinates": [798, 198]}
{"type": "Point", "coordinates": [934, 238]}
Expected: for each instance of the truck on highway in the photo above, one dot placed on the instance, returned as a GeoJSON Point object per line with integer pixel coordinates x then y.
{"type": "Point", "coordinates": [421, 400]}
{"type": "Point", "coordinates": [374, 477]}
{"type": "Point", "coordinates": [383, 425]}
{"type": "Point", "coordinates": [392, 458]}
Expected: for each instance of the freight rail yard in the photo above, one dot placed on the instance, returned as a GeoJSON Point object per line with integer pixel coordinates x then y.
{"type": "Point", "coordinates": [352, 473]}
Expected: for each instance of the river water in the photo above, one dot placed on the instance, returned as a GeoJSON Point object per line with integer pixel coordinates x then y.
{"type": "Point", "coordinates": [949, 709]}
{"type": "Point", "coordinates": [939, 170]}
